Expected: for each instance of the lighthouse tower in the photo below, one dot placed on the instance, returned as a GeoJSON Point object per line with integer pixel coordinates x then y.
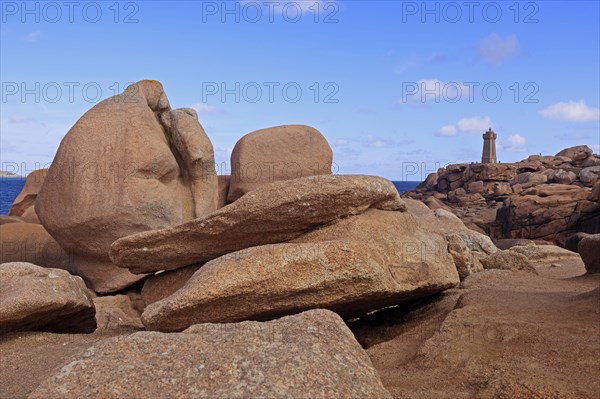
{"type": "Point", "coordinates": [489, 147]}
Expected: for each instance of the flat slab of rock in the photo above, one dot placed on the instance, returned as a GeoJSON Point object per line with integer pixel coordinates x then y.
{"type": "Point", "coordinates": [270, 214]}
{"type": "Point", "coordinates": [43, 299]}
{"type": "Point", "coordinates": [311, 355]}
{"type": "Point", "coordinates": [357, 265]}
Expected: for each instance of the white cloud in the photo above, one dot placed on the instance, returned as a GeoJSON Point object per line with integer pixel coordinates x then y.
{"type": "Point", "coordinates": [205, 109]}
{"type": "Point", "coordinates": [495, 50]}
{"type": "Point", "coordinates": [514, 143]}
{"type": "Point", "coordinates": [340, 142]}
{"type": "Point", "coordinates": [20, 119]}
{"type": "Point", "coordinates": [476, 124]}
{"type": "Point", "coordinates": [32, 37]}
{"type": "Point", "coordinates": [377, 142]}
{"type": "Point", "coordinates": [576, 111]}
{"type": "Point", "coordinates": [447, 130]}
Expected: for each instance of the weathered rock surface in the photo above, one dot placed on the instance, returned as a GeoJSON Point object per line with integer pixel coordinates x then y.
{"type": "Point", "coordinates": [508, 260]}
{"type": "Point", "coordinates": [28, 242]}
{"type": "Point", "coordinates": [164, 284]}
{"type": "Point", "coordinates": [353, 266]}
{"type": "Point", "coordinates": [116, 314]}
{"type": "Point", "coordinates": [311, 355]}
{"type": "Point", "coordinates": [589, 249]}
{"type": "Point", "coordinates": [563, 177]}
{"type": "Point", "coordinates": [277, 153]}
{"type": "Point", "coordinates": [466, 246]}
{"type": "Point", "coordinates": [10, 219]}
{"type": "Point", "coordinates": [515, 335]}
{"type": "Point", "coordinates": [43, 299]}
{"type": "Point", "coordinates": [589, 176]}
{"type": "Point", "coordinates": [272, 213]}
{"type": "Point", "coordinates": [223, 190]}
{"type": "Point", "coordinates": [541, 197]}
{"type": "Point", "coordinates": [129, 164]}
{"type": "Point", "coordinates": [577, 153]}
{"type": "Point", "coordinates": [537, 254]}
{"type": "Point", "coordinates": [23, 205]}
{"type": "Point", "coordinates": [572, 242]}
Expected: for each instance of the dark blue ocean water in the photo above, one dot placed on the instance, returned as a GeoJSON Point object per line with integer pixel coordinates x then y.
{"type": "Point", "coordinates": [11, 187]}
{"type": "Point", "coordinates": [404, 186]}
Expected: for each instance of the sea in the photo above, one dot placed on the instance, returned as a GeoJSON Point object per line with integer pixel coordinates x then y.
{"type": "Point", "coordinates": [11, 187]}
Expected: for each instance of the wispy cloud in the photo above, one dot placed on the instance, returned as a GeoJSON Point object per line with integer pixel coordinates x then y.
{"type": "Point", "coordinates": [447, 130]}
{"type": "Point", "coordinates": [513, 143]}
{"type": "Point", "coordinates": [575, 111]}
{"type": "Point", "coordinates": [475, 124]}
{"type": "Point", "coordinates": [205, 109]}
{"type": "Point", "coordinates": [32, 37]}
{"type": "Point", "coordinates": [340, 142]}
{"type": "Point", "coordinates": [496, 50]}
{"type": "Point", "coordinates": [20, 119]}
{"type": "Point", "coordinates": [418, 60]}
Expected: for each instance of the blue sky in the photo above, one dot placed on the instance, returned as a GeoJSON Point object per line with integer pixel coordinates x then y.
{"type": "Point", "coordinates": [397, 87]}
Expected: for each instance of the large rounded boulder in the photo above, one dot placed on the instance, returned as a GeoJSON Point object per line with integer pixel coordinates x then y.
{"type": "Point", "coordinates": [129, 164]}
{"type": "Point", "coordinates": [277, 153]}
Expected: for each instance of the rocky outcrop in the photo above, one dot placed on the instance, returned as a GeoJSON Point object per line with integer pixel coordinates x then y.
{"type": "Point", "coordinates": [23, 205]}
{"type": "Point", "coordinates": [311, 355]}
{"type": "Point", "coordinates": [356, 265]}
{"type": "Point", "coordinates": [43, 299]}
{"type": "Point", "coordinates": [277, 153]}
{"type": "Point", "coordinates": [541, 197]}
{"type": "Point", "coordinates": [589, 249]}
{"type": "Point", "coordinates": [129, 164]}
{"type": "Point", "coordinates": [272, 213]}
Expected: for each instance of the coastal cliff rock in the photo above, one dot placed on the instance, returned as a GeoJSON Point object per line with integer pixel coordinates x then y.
{"type": "Point", "coordinates": [129, 164]}
{"type": "Point", "coordinates": [277, 153]}
{"type": "Point", "coordinates": [541, 197]}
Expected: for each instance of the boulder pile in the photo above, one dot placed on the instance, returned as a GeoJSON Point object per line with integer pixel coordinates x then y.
{"type": "Point", "coordinates": [541, 197]}
{"type": "Point", "coordinates": [238, 286]}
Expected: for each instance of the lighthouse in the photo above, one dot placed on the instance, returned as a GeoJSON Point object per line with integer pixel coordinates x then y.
{"type": "Point", "coordinates": [489, 147]}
